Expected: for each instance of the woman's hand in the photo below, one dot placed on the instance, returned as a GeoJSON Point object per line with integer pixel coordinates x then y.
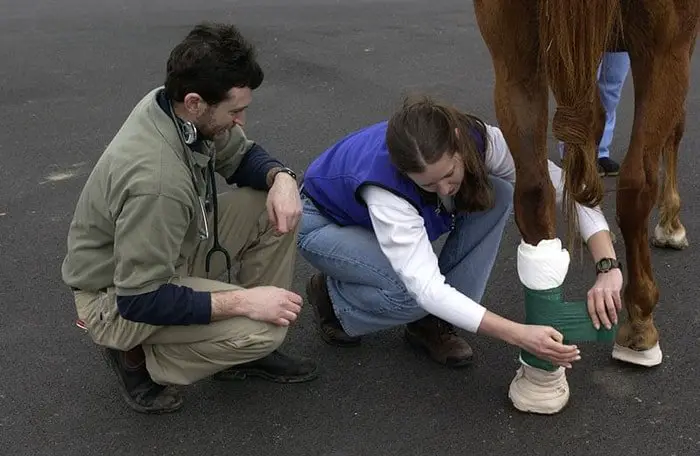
{"type": "Point", "coordinates": [604, 298]}
{"type": "Point", "coordinates": [545, 343]}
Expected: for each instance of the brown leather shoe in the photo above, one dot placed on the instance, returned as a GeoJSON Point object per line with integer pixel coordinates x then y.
{"type": "Point", "coordinates": [327, 323]}
{"type": "Point", "coordinates": [440, 341]}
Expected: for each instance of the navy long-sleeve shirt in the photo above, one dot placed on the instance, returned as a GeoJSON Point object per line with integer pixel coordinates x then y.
{"type": "Point", "coordinates": [252, 172]}
{"type": "Point", "coordinates": [168, 305]}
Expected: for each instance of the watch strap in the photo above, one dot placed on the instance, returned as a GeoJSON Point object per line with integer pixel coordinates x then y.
{"type": "Point", "coordinates": [277, 170]}
{"type": "Point", "coordinates": [606, 264]}
{"type": "Point", "coordinates": [286, 171]}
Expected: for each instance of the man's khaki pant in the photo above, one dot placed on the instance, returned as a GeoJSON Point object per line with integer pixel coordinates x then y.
{"type": "Point", "coordinates": [181, 355]}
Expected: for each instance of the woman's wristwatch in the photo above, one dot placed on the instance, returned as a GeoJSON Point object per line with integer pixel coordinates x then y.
{"type": "Point", "coordinates": [606, 264]}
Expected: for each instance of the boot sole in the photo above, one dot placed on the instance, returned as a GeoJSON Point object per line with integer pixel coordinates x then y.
{"type": "Point", "coordinates": [243, 375]}
{"type": "Point", "coordinates": [414, 343]}
{"type": "Point", "coordinates": [319, 327]}
{"type": "Point", "coordinates": [129, 400]}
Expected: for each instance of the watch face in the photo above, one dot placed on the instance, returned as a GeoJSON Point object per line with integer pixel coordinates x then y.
{"type": "Point", "coordinates": [605, 263]}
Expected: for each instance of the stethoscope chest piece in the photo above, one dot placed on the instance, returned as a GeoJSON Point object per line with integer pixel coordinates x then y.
{"type": "Point", "coordinates": [189, 132]}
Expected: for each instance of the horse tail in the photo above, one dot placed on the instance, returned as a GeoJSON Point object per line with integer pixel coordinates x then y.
{"type": "Point", "coordinates": [573, 36]}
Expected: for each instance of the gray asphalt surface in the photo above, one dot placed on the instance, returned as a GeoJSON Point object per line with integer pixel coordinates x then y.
{"type": "Point", "coordinates": [72, 70]}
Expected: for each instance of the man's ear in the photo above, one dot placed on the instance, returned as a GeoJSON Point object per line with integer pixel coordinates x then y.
{"type": "Point", "coordinates": [194, 104]}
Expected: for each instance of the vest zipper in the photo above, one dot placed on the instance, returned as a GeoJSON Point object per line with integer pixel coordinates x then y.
{"type": "Point", "coordinates": [438, 210]}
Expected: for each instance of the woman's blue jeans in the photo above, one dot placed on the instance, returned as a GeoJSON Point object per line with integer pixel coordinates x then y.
{"type": "Point", "coordinates": [367, 294]}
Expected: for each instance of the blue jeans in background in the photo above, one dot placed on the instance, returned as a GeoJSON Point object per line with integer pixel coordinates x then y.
{"type": "Point", "coordinates": [367, 294]}
{"type": "Point", "coordinates": [612, 73]}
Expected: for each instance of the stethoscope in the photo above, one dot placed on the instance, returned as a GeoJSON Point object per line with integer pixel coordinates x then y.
{"type": "Point", "coordinates": [187, 133]}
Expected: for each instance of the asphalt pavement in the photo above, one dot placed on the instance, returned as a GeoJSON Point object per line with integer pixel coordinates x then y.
{"type": "Point", "coordinates": [72, 70]}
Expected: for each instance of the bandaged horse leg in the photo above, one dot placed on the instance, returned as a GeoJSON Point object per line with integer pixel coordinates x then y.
{"type": "Point", "coordinates": [539, 386]}
{"type": "Point", "coordinates": [517, 34]}
{"type": "Point", "coordinates": [521, 100]}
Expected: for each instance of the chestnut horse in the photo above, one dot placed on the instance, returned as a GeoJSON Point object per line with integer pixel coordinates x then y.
{"type": "Point", "coordinates": [540, 44]}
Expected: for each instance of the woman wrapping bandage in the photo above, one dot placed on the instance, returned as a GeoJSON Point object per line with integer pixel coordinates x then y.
{"type": "Point", "coordinates": [375, 201]}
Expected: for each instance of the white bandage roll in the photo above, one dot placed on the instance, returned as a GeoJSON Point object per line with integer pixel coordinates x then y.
{"type": "Point", "coordinates": [544, 266]}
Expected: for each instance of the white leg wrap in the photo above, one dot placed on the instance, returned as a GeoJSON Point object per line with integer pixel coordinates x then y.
{"type": "Point", "coordinates": [539, 391]}
{"type": "Point", "coordinates": [534, 390]}
{"type": "Point", "coordinates": [646, 358]}
{"type": "Point", "coordinates": [544, 266]}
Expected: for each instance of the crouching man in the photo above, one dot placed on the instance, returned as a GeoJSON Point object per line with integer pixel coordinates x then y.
{"type": "Point", "coordinates": [150, 235]}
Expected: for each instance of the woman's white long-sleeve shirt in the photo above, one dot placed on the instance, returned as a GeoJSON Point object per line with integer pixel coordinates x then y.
{"type": "Point", "coordinates": [403, 239]}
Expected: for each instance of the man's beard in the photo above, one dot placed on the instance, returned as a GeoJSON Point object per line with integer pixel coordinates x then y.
{"type": "Point", "coordinates": [205, 128]}
{"type": "Point", "coordinates": [204, 131]}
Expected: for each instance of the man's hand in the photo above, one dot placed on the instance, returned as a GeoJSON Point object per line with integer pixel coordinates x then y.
{"type": "Point", "coordinates": [284, 203]}
{"type": "Point", "coordinates": [272, 304]}
{"type": "Point", "coordinates": [264, 303]}
{"type": "Point", "coordinates": [604, 298]}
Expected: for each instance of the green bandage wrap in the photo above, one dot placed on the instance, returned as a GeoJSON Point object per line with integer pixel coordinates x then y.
{"type": "Point", "coordinates": [548, 308]}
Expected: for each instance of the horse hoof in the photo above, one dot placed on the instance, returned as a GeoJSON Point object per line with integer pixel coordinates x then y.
{"type": "Point", "coordinates": [647, 358]}
{"type": "Point", "coordinates": [538, 391]}
{"type": "Point", "coordinates": [674, 240]}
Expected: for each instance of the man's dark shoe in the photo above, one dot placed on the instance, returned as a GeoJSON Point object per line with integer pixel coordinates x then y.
{"type": "Point", "coordinates": [608, 167]}
{"type": "Point", "coordinates": [276, 367]}
{"type": "Point", "coordinates": [137, 388]}
{"type": "Point", "coordinates": [327, 323]}
{"type": "Point", "coordinates": [440, 341]}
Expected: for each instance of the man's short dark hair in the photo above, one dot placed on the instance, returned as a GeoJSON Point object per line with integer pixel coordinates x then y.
{"type": "Point", "coordinates": [210, 61]}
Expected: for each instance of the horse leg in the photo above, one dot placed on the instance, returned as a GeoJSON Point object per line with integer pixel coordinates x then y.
{"type": "Point", "coordinates": [510, 32]}
{"type": "Point", "coordinates": [661, 73]}
{"type": "Point", "coordinates": [670, 232]}
{"type": "Point", "coordinates": [520, 99]}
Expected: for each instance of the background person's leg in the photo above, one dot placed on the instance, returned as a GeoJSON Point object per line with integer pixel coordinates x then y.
{"type": "Point", "coordinates": [612, 73]}
{"type": "Point", "coordinates": [611, 79]}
